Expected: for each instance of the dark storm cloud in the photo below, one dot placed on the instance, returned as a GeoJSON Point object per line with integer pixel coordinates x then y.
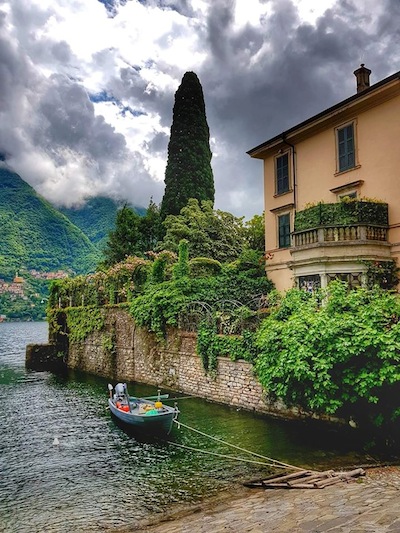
{"type": "Point", "coordinates": [262, 80]}
{"type": "Point", "coordinates": [219, 21]}
{"type": "Point", "coordinates": [53, 136]}
{"type": "Point", "coordinates": [158, 144]}
{"type": "Point", "coordinates": [258, 80]}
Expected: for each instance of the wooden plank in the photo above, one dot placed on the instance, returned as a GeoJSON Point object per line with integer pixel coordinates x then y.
{"type": "Point", "coordinates": [306, 479]}
{"type": "Point", "coordinates": [278, 479]}
{"type": "Point", "coordinates": [314, 477]}
{"type": "Point", "coordinates": [352, 473]}
{"type": "Point", "coordinates": [326, 482]}
{"type": "Point", "coordinates": [276, 486]}
{"type": "Point", "coordinates": [302, 486]}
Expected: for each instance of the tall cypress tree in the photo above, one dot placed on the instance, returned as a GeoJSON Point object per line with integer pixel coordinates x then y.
{"type": "Point", "coordinates": [188, 173]}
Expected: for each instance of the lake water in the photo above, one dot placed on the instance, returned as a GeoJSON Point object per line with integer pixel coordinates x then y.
{"type": "Point", "coordinates": [100, 477]}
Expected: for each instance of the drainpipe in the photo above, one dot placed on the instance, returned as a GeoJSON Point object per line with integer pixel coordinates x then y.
{"type": "Point", "coordinates": [294, 175]}
{"type": "Point", "coordinates": [294, 170]}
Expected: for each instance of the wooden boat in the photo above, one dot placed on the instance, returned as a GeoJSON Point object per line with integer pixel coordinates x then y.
{"type": "Point", "coordinates": [146, 414]}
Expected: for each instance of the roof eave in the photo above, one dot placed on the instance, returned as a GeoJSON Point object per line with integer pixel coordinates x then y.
{"type": "Point", "coordinates": [258, 152]}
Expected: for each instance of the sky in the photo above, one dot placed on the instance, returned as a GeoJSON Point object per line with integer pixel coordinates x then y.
{"type": "Point", "coordinates": [87, 87]}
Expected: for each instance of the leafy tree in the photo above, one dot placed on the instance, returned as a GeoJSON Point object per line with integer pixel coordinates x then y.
{"type": "Point", "coordinates": [125, 240]}
{"type": "Point", "coordinates": [150, 227]}
{"type": "Point", "coordinates": [188, 173]}
{"type": "Point", "coordinates": [211, 233]}
{"type": "Point", "coordinates": [133, 234]}
{"type": "Point", "coordinates": [255, 233]}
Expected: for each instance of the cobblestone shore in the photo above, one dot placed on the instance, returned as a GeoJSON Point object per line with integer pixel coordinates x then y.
{"type": "Point", "coordinates": [368, 504]}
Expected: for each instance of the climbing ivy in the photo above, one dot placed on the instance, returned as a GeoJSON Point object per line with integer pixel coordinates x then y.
{"type": "Point", "coordinates": [335, 351]}
{"type": "Point", "coordinates": [120, 283]}
{"type": "Point", "coordinates": [384, 274]}
{"type": "Point", "coordinates": [205, 346]}
{"type": "Point", "coordinates": [81, 321]}
{"type": "Point", "coordinates": [210, 345]}
{"type": "Point", "coordinates": [348, 211]}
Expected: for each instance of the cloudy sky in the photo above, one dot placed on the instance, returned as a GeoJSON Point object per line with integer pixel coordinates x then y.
{"type": "Point", "coordinates": [87, 86]}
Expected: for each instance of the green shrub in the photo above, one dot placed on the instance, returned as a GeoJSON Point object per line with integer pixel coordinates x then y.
{"type": "Point", "coordinates": [339, 357]}
{"type": "Point", "coordinates": [204, 267]}
{"type": "Point", "coordinates": [341, 213]}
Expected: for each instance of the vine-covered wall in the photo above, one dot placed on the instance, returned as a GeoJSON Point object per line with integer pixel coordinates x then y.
{"type": "Point", "coordinates": [124, 352]}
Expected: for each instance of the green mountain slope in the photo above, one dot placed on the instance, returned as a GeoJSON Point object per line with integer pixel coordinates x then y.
{"type": "Point", "coordinates": [35, 235]}
{"type": "Point", "coordinates": [97, 218]}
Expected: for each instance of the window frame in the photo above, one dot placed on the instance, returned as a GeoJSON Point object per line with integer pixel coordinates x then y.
{"type": "Point", "coordinates": [353, 195]}
{"type": "Point", "coordinates": [279, 179]}
{"type": "Point", "coordinates": [287, 242]}
{"type": "Point", "coordinates": [354, 164]}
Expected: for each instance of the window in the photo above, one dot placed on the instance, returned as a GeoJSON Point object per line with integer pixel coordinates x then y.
{"type": "Point", "coordinates": [309, 283]}
{"type": "Point", "coordinates": [352, 195]}
{"type": "Point", "coordinates": [353, 279]}
{"type": "Point", "coordinates": [284, 230]}
{"type": "Point", "coordinates": [282, 174]}
{"type": "Point", "coordinates": [346, 151]}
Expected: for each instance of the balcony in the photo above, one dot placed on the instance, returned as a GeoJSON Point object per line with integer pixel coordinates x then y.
{"type": "Point", "coordinates": [332, 234]}
{"type": "Point", "coordinates": [342, 213]}
{"type": "Point", "coordinates": [334, 238]}
{"type": "Point", "coordinates": [351, 220]}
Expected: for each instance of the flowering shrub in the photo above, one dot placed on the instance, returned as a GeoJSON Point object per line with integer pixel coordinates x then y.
{"type": "Point", "coordinates": [115, 285]}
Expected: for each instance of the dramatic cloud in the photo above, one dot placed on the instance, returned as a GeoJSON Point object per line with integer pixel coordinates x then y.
{"type": "Point", "coordinates": [87, 87]}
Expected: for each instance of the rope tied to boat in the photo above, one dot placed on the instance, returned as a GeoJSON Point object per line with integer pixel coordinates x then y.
{"type": "Point", "coordinates": [224, 456]}
{"type": "Point", "coordinates": [271, 462]}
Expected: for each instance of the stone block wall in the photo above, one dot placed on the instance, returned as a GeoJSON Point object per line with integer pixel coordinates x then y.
{"type": "Point", "coordinates": [173, 364]}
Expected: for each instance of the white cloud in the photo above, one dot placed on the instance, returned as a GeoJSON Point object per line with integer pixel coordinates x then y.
{"type": "Point", "coordinates": [310, 10]}
{"type": "Point", "coordinates": [54, 54]}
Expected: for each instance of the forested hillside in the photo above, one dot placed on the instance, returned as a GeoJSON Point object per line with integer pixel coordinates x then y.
{"type": "Point", "coordinates": [96, 218]}
{"type": "Point", "coordinates": [35, 235]}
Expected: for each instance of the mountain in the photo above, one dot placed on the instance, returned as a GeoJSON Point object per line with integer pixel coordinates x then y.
{"type": "Point", "coordinates": [35, 235]}
{"type": "Point", "coordinates": [96, 218]}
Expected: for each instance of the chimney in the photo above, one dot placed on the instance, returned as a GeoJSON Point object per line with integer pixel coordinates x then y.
{"type": "Point", "coordinates": [362, 75]}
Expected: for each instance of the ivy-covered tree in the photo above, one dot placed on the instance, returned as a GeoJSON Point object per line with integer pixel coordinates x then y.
{"type": "Point", "coordinates": [188, 173]}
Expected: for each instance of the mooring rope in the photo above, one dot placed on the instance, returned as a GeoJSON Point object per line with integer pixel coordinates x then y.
{"type": "Point", "coordinates": [273, 462]}
{"type": "Point", "coordinates": [224, 456]}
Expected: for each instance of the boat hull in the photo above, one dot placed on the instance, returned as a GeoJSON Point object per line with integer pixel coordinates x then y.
{"type": "Point", "coordinates": [160, 422]}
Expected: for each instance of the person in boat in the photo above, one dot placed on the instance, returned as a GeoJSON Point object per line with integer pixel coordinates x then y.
{"type": "Point", "coordinates": [119, 394]}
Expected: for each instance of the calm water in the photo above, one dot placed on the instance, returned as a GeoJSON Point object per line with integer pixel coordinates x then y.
{"type": "Point", "coordinates": [99, 477]}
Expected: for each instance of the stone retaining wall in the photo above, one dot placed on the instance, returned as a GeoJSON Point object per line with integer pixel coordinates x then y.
{"type": "Point", "coordinates": [137, 356]}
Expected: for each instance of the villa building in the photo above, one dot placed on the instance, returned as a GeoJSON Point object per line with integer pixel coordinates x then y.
{"type": "Point", "coordinates": [332, 189]}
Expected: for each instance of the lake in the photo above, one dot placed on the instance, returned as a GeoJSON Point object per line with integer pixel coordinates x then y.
{"type": "Point", "coordinates": [100, 477]}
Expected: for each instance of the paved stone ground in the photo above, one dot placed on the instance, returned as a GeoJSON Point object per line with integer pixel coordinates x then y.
{"type": "Point", "coordinates": [369, 504]}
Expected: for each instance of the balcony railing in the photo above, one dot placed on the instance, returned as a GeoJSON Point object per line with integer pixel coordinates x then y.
{"type": "Point", "coordinates": [351, 232]}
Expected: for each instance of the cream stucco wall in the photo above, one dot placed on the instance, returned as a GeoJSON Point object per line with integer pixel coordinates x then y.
{"type": "Point", "coordinates": [377, 132]}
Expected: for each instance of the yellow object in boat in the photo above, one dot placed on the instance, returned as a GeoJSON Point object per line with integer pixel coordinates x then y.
{"type": "Point", "coordinates": [158, 405]}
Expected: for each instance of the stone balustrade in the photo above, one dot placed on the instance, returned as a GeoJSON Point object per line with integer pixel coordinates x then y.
{"type": "Point", "coordinates": [351, 232]}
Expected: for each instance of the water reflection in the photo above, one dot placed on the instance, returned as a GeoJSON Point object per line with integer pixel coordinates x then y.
{"type": "Point", "coordinates": [102, 475]}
